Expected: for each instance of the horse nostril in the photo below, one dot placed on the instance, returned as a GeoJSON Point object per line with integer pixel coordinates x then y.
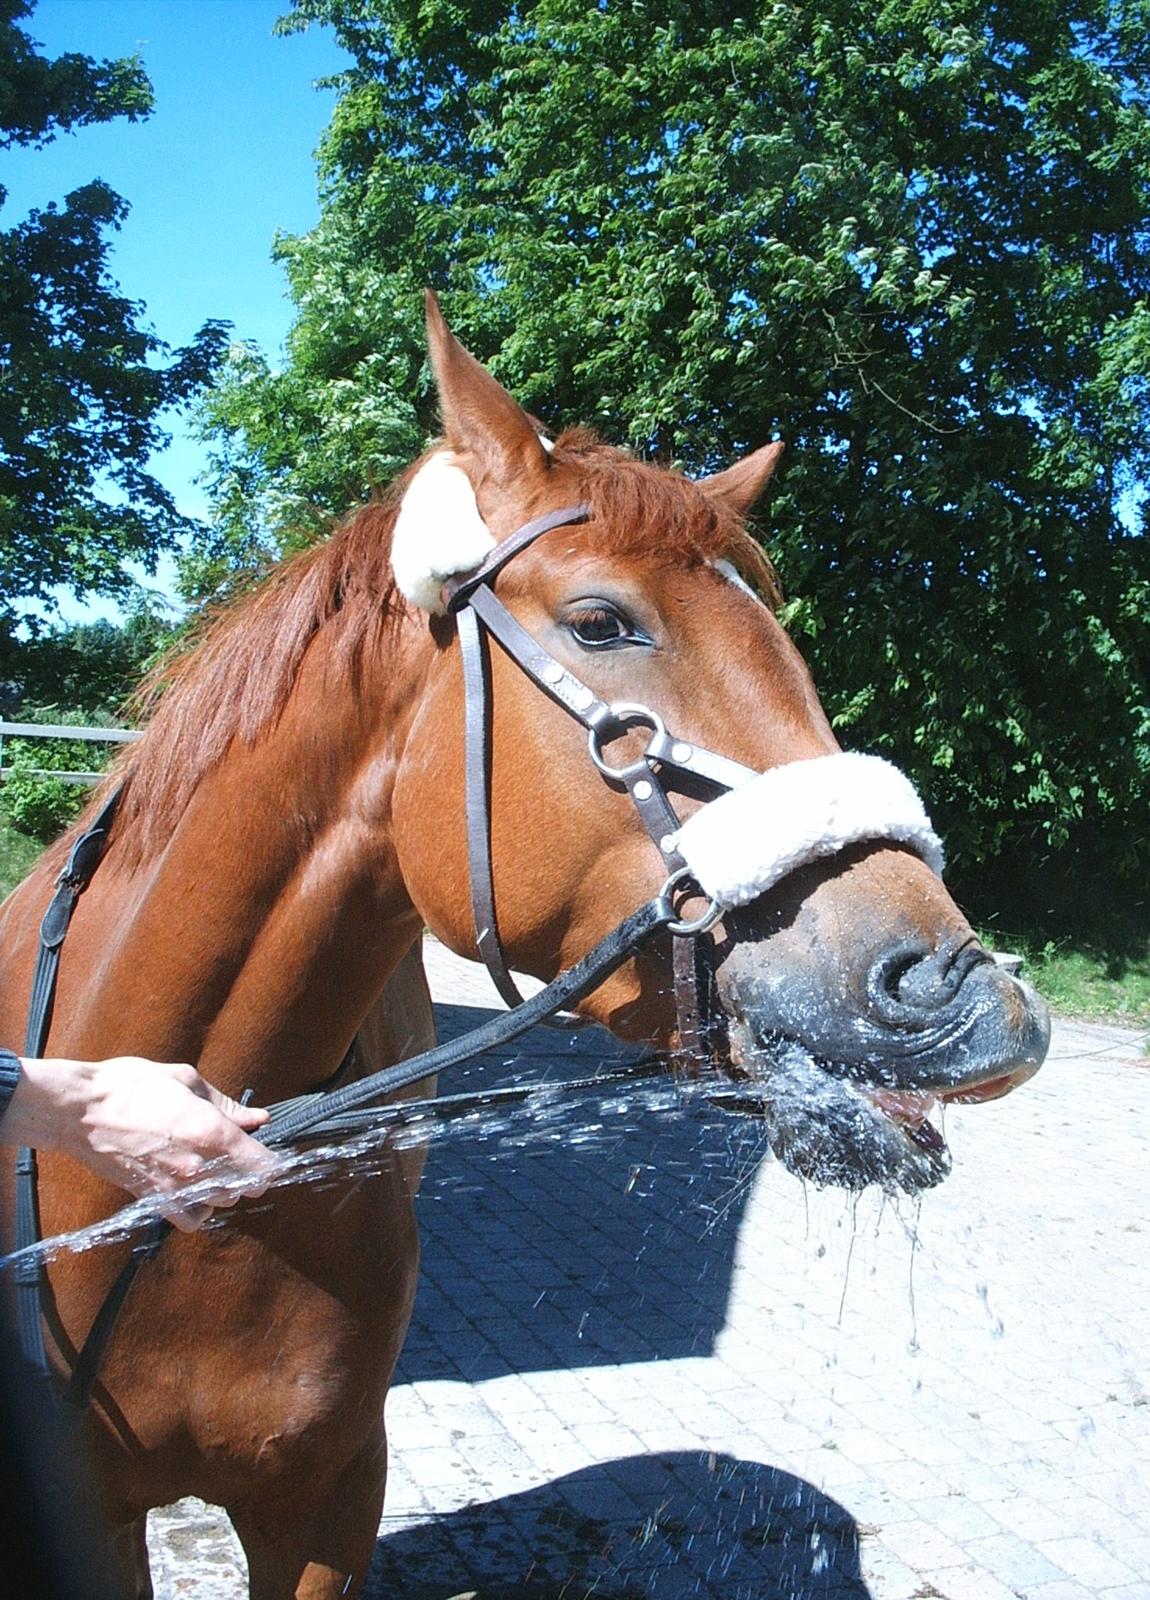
{"type": "Point", "coordinates": [888, 973]}
{"type": "Point", "coordinates": [908, 979]}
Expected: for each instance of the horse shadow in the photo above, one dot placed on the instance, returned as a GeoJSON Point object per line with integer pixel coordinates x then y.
{"type": "Point", "coordinates": [678, 1526]}
{"type": "Point", "coordinates": [591, 1232]}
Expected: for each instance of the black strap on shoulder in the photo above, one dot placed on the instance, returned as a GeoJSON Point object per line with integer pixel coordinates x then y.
{"type": "Point", "coordinates": [87, 1365]}
{"type": "Point", "coordinates": [83, 859]}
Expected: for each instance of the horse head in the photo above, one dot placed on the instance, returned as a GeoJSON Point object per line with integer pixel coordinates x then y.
{"type": "Point", "coordinates": [855, 992]}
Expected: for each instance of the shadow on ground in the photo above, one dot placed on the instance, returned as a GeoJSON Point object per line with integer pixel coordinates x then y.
{"type": "Point", "coordinates": [679, 1526]}
{"type": "Point", "coordinates": [597, 1235]}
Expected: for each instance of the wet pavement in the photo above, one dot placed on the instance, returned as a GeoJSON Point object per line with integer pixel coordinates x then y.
{"type": "Point", "coordinates": [645, 1362]}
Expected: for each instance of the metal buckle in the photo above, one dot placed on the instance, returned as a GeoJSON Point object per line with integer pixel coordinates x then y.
{"type": "Point", "coordinates": [691, 925]}
{"type": "Point", "coordinates": [622, 716]}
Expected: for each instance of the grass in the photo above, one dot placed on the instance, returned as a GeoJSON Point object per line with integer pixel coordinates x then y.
{"type": "Point", "coordinates": [1082, 931]}
{"type": "Point", "coordinates": [1080, 980]}
{"type": "Point", "coordinates": [1079, 977]}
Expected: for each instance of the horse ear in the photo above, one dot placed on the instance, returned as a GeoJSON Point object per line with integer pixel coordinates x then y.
{"type": "Point", "coordinates": [479, 417]}
{"type": "Point", "coordinates": [741, 485]}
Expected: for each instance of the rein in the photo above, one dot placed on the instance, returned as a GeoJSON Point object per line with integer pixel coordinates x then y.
{"type": "Point", "coordinates": [478, 614]}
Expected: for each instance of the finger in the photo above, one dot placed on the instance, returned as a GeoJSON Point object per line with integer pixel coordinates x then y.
{"type": "Point", "coordinates": [251, 1117]}
{"type": "Point", "coordinates": [249, 1159]}
{"type": "Point", "coordinates": [247, 1116]}
{"type": "Point", "coordinates": [253, 1188]}
{"type": "Point", "coordinates": [230, 1194]}
{"type": "Point", "coordinates": [187, 1219]}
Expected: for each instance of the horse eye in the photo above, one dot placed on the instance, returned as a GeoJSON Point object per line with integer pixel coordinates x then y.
{"type": "Point", "coordinates": [596, 626]}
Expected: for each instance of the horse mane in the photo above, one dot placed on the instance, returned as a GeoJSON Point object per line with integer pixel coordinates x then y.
{"type": "Point", "coordinates": [231, 677]}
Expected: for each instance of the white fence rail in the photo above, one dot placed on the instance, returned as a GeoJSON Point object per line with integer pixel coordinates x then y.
{"type": "Point", "coordinates": [51, 730]}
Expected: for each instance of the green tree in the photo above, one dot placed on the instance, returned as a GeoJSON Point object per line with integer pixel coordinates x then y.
{"type": "Point", "coordinates": [91, 667]}
{"type": "Point", "coordinates": [40, 806]}
{"type": "Point", "coordinates": [83, 381]}
{"type": "Point", "coordinates": [910, 239]}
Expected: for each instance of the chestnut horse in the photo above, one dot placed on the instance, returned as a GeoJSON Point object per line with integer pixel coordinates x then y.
{"type": "Point", "coordinates": [292, 819]}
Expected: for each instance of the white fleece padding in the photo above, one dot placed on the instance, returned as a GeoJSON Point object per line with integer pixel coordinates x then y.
{"type": "Point", "coordinates": [438, 532]}
{"type": "Point", "coordinates": [740, 845]}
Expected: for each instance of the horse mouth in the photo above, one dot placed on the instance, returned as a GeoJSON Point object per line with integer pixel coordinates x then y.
{"type": "Point", "coordinates": [827, 1125]}
{"type": "Point", "coordinates": [910, 1111]}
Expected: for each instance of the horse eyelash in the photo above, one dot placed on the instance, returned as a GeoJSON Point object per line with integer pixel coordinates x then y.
{"type": "Point", "coordinates": [631, 634]}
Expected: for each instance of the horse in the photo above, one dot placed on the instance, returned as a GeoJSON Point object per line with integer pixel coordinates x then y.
{"type": "Point", "coordinates": [290, 823]}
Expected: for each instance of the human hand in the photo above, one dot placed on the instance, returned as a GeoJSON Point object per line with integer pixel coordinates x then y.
{"type": "Point", "coordinates": [151, 1128]}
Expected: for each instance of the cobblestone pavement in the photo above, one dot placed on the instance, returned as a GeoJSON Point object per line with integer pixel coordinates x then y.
{"type": "Point", "coordinates": [646, 1364]}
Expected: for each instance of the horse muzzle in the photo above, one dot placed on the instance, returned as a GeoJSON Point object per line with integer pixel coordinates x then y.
{"type": "Point", "coordinates": [850, 1064]}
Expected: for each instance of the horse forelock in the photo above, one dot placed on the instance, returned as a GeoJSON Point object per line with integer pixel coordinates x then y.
{"type": "Point", "coordinates": [645, 510]}
{"type": "Point", "coordinates": [231, 679]}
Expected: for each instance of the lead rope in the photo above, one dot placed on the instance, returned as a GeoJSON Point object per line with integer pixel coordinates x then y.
{"type": "Point", "coordinates": [311, 1113]}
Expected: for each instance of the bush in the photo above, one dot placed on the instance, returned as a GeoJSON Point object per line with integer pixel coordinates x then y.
{"type": "Point", "coordinates": [43, 807]}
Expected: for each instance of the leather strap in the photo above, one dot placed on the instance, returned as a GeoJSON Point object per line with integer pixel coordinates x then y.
{"type": "Point", "coordinates": [83, 859]}
{"type": "Point", "coordinates": [477, 759]}
{"type": "Point", "coordinates": [584, 705]}
{"type": "Point", "coordinates": [473, 601]}
{"type": "Point", "coordinates": [445, 1107]}
{"type": "Point", "coordinates": [309, 1113]}
{"type": "Point", "coordinates": [565, 516]}
{"type": "Point", "coordinates": [87, 1365]}
{"type": "Point", "coordinates": [702, 1021]}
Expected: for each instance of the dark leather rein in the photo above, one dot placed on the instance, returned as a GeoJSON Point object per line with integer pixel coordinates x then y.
{"type": "Point", "coordinates": [478, 614]}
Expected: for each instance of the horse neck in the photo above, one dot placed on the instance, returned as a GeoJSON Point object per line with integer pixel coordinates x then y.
{"type": "Point", "coordinates": [271, 920]}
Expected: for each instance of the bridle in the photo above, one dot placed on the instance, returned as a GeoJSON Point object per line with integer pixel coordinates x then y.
{"type": "Point", "coordinates": [479, 614]}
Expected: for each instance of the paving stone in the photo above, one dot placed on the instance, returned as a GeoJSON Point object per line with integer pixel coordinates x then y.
{"type": "Point", "coordinates": [965, 1583]}
{"type": "Point", "coordinates": [1064, 1589]}
{"type": "Point", "coordinates": [1087, 1561]}
{"type": "Point", "coordinates": [961, 1519]}
{"type": "Point", "coordinates": [630, 1350]}
{"type": "Point", "coordinates": [885, 1574]}
{"type": "Point", "coordinates": [1017, 1563]}
{"type": "Point", "coordinates": [1135, 1550]}
{"type": "Point", "coordinates": [1030, 1519]}
{"type": "Point", "coordinates": [922, 1546]}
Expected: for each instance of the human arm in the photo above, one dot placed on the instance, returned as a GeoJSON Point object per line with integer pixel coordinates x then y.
{"type": "Point", "coordinates": [148, 1127]}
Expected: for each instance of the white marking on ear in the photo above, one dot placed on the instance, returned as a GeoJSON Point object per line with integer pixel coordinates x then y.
{"type": "Point", "coordinates": [742, 844]}
{"type": "Point", "coordinates": [438, 532]}
{"type": "Point", "coordinates": [548, 444]}
{"type": "Point", "coordinates": [733, 575]}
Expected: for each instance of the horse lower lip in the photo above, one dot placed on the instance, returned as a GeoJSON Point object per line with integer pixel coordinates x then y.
{"type": "Point", "coordinates": [992, 1089]}
{"type": "Point", "coordinates": [910, 1113]}
{"type": "Point", "coordinates": [910, 1109]}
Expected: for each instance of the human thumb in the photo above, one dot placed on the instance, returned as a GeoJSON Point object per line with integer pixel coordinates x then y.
{"type": "Point", "coordinates": [248, 1117]}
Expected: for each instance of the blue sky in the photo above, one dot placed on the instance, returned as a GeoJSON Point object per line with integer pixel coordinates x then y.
{"type": "Point", "coordinates": [225, 161]}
